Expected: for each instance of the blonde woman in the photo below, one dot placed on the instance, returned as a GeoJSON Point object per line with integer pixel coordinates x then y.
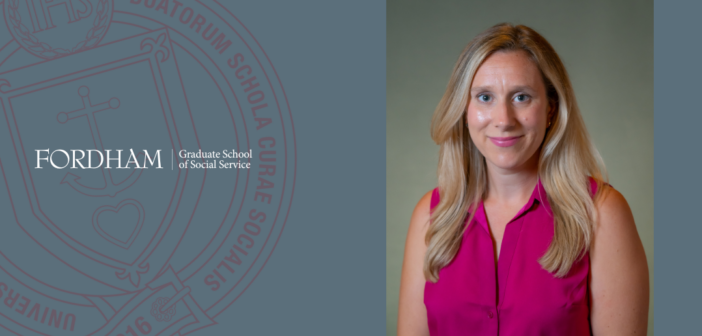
{"type": "Point", "coordinates": [523, 236]}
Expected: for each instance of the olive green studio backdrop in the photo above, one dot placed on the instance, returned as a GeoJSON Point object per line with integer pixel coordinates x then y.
{"type": "Point", "coordinates": [607, 48]}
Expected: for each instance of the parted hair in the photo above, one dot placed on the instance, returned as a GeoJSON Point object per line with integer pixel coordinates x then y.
{"type": "Point", "coordinates": [566, 159]}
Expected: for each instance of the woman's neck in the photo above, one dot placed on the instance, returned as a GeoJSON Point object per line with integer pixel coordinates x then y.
{"type": "Point", "coordinates": [511, 186]}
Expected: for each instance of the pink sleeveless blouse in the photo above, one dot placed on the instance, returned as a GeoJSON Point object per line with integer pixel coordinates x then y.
{"type": "Point", "coordinates": [475, 296]}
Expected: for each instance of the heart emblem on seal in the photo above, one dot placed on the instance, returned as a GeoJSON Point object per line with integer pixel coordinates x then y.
{"type": "Point", "coordinates": [120, 225]}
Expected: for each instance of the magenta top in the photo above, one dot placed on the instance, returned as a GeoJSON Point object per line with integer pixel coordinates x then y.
{"type": "Point", "coordinates": [515, 297]}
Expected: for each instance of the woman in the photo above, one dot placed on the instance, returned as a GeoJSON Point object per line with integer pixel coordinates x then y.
{"type": "Point", "coordinates": [522, 235]}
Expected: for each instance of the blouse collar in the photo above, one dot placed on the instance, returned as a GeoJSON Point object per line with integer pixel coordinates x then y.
{"type": "Point", "coordinates": [538, 196]}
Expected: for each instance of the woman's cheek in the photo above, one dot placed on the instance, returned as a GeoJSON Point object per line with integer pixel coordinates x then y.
{"type": "Point", "coordinates": [477, 119]}
{"type": "Point", "coordinates": [482, 117]}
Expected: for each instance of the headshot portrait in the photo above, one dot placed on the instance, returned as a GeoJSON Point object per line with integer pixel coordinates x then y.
{"type": "Point", "coordinates": [519, 168]}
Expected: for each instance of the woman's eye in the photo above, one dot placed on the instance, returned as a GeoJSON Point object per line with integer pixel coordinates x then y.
{"type": "Point", "coordinates": [521, 98]}
{"type": "Point", "coordinates": [484, 98]}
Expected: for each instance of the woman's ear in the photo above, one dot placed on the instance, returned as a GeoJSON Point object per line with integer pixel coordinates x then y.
{"type": "Point", "coordinates": [551, 113]}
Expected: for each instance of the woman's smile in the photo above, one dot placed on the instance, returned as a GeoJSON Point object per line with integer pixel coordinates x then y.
{"type": "Point", "coordinates": [505, 141]}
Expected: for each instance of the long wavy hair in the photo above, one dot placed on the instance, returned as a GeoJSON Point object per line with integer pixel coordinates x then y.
{"type": "Point", "coordinates": [567, 156]}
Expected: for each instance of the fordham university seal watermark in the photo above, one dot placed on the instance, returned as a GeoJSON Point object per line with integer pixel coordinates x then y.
{"type": "Point", "coordinates": [162, 240]}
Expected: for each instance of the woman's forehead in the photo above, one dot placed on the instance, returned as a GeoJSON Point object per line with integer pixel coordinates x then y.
{"type": "Point", "coordinates": [508, 68]}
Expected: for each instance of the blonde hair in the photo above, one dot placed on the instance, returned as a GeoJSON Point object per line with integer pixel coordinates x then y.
{"type": "Point", "coordinates": [567, 156]}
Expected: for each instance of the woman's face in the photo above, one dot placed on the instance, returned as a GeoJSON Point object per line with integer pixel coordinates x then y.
{"type": "Point", "coordinates": [508, 111]}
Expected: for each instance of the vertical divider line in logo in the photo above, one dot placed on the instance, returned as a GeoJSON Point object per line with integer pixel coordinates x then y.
{"type": "Point", "coordinates": [171, 158]}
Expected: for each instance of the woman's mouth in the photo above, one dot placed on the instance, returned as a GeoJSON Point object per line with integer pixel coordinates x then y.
{"type": "Point", "coordinates": [505, 141]}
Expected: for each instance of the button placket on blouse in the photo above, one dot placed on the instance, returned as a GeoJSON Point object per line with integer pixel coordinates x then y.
{"type": "Point", "coordinates": [511, 235]}
{"type": "Point", "coordinates": [509, 241]}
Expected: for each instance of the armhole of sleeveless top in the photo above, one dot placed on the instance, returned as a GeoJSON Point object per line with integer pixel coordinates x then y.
{"type": "Point", "coordinates": [593, 185]}
{"type": "Point", "coordinates": [434, 200]}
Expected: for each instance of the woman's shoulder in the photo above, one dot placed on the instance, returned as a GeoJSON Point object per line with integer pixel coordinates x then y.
{"type": "Point", "coordinates": [614, 225]}
{"type": "Point", "coordinates": [422, 211]}
{"type": "Point", "coordinates": [612, 208]}
{"type": "Point", "coordinates": [426, 203]}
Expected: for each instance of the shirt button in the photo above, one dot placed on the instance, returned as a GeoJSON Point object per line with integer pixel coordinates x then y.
{"type": "Point", "coordinates": [490, 315]}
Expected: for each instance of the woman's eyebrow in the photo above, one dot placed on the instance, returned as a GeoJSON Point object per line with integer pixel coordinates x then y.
{"type": "Point", "coordinates": [480, 88]}
{"type": "Point", "coordinates": [522, 88]}
{"type": "Point", "coordinates": [512, 89]}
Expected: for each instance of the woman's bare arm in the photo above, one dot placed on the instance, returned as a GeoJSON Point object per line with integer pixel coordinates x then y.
{"type": "Point", "coordinates": [412, 315]}
{"type": "Point", "coordinates": [619, 285]}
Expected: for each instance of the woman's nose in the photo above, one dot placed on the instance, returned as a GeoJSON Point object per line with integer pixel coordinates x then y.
{"type": "Point", "coordinates": [503, 115]}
